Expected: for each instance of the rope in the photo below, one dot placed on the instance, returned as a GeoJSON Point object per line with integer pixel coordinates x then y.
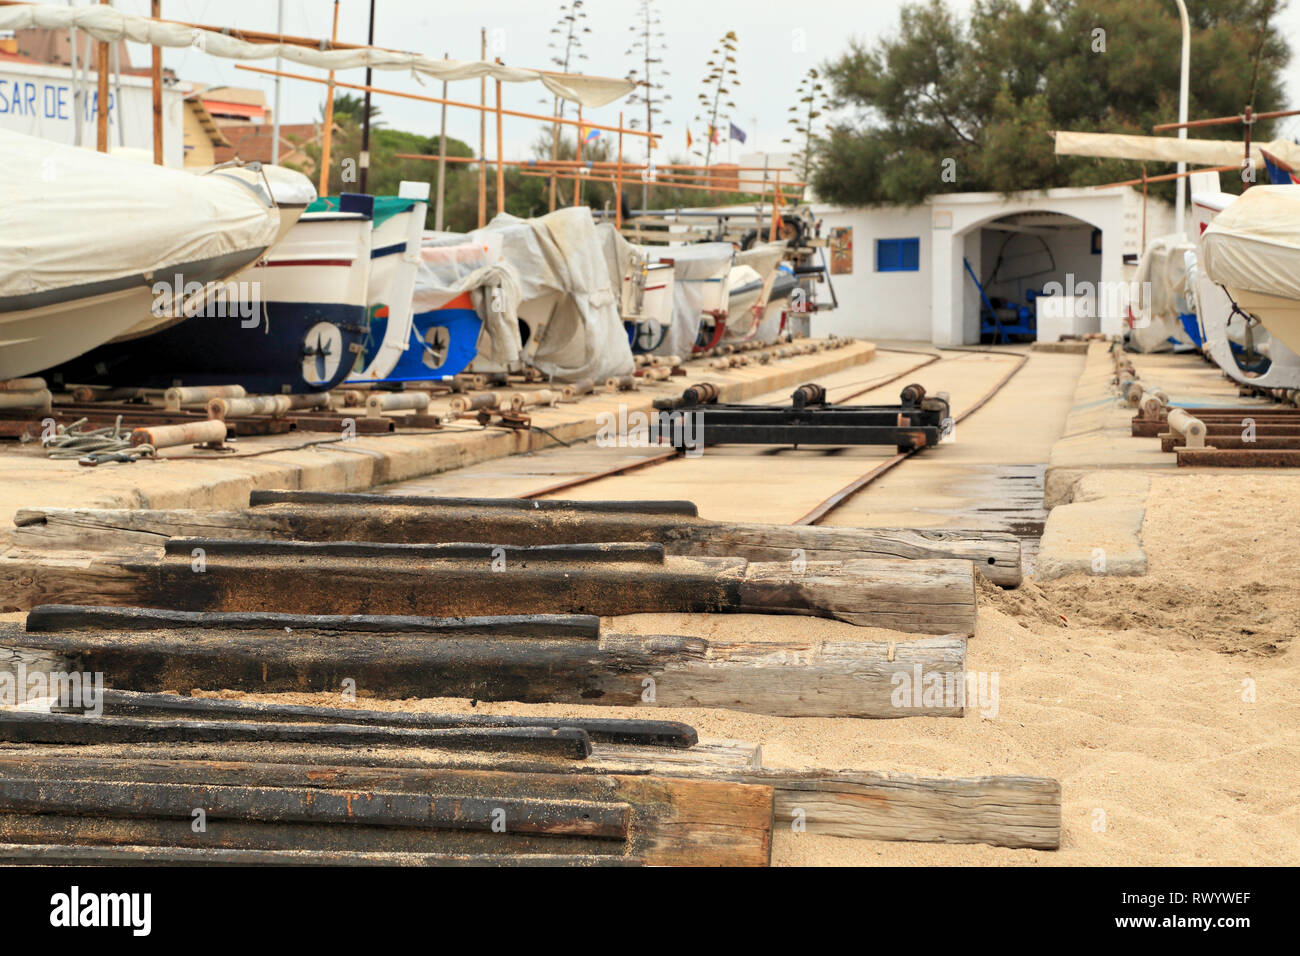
{"type": "Point", "coordinates": [74, 441]}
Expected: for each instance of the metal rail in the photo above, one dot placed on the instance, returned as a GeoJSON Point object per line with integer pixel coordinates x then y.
{"type": "Point", "coordinates": [849, 490]}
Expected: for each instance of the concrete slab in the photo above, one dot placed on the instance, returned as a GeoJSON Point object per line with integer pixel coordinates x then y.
{"type": "Point", "coordinates": [183, 478]}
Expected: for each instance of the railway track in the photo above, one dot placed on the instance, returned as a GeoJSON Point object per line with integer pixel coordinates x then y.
{"type": "Point", "coordinates": [843, 494]}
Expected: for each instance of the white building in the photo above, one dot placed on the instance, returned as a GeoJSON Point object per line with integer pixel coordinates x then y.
{"type": "Point", "coordinates": [910, 269]}
{"type": "Point", "coordinates": [38, 100]}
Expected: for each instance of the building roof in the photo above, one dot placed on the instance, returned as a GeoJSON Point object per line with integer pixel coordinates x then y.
{"type": "Point", "coordinates": [253, 143]}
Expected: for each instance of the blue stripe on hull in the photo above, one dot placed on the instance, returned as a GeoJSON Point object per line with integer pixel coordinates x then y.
{"type": "Point", "coordinates": [266, 358]}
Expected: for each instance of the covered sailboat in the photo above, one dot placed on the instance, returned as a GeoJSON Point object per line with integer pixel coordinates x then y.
{"type": "Point", "coordinates": [93, 245]}
{"type": "Point", "coordinates": [295, 324]}
{"type": "Point", "coordinates": [1252, 249]}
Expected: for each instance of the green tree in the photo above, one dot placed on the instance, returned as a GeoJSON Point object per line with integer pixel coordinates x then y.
{"type": "Point", "coordinates": [946, 105]}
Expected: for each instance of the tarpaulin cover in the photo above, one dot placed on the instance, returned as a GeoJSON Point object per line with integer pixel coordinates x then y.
{"type": "Point", "coordinates": [71, 216]}
{"type": "Point", "coordinates": [105, 23]}
{"type": "Point", "coordinates": [561, 253]}
{"type": "Point", "coordinates": [693, 266]}
{"type": "Point", "coordinates": [1254, 244]}
{"type": "Point", "coordinates": [743, 321]}
{"type": "Point", "coordinates": [1164, 295]}
{"type": "Point", "coordinates": [451, 265]}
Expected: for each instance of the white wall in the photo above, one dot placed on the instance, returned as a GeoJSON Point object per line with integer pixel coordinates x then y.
{"type": "Point", "coordinates": [38, 100]}
{"type": "Point", "coordinates": [877, 305]}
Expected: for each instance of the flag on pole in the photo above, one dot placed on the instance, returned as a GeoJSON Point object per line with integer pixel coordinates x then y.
{"type": "Point", "coordinates": [688, 138]}
{"type": "Point", "coordinates": [715, 135]}
{"type": "Point", "coordinates": [737, 133]}
{"type": "Point", "coordinates": [1279, 172]}
{"type": "Point", "coordinates": [590, 135]}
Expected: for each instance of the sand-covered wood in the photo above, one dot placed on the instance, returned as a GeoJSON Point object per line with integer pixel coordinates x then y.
{"type": "Point", "coordinates": [381, 518]}
{"type": "Point", "coordinates": [926, 597]}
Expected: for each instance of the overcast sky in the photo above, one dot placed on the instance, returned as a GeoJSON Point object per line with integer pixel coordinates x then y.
{"type": "Point", "coordinates": [776, 47]}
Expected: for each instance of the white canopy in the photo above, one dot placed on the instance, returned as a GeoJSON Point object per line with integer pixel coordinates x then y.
{"type": "Point", "coordinates": [1168, 149]}
{"type": "Point", "coordinates": [105, 23]}
{"type": "Point", "coordinates": [71, 216]}
{"type": "Point", "coordinates": [1254, 244]}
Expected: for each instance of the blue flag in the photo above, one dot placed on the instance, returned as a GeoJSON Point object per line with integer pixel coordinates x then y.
{"type": "Point", "coordinates": [1279, 173]}
{"type": "Point", "coordinates": [737, 133]}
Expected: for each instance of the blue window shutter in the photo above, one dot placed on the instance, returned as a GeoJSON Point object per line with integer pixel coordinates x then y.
{"type": "Point", "coordinates": [909, 255]}
{"type": "Point", "coordinates": [898, 255]}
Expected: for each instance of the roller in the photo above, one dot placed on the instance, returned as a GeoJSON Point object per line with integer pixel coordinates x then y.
{"type": "Point", "coordinates": [1191, 429]}
{"type": "Point", "coordinates": [223, 408]}
{"type": "Point", "coordinates": [191, 433]}
{"type": "Point", "coordinates": [201, 395]}
{"type": "Point", "coordinates": [381, 402]}
{"type": "Point", "coordinates": [468, 403]}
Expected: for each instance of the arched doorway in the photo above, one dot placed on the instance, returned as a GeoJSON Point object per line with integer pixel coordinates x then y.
{"type": "Point", "coordinates": [1022, 259]}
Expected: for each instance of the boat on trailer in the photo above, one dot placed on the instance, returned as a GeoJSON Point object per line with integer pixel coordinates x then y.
{"type": "Point", "coordinates": [82, 264]}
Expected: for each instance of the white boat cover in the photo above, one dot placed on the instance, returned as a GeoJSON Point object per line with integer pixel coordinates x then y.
{"type": "Point", "coordinates": [1254, 244]}
{"type": "Point", "coordinates": [1170, 149]}
{"type": "Point", "coordinates": [692, 266]}
{"type": "Point", "coordinates": [1164, 295]}
{"type": "Point", "coordinates": [71, 217]}
{"type": "Point", "coordinates": [562, 253]}
{"type": "Point", "coordinates": [105, 23]}
{"type": "Point", "coordinates": [451, 265]}
{"type": "Point", "coordinates": [743, 321]}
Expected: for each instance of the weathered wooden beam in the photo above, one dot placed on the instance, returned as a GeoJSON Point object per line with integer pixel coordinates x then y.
{"type": "Point", "coordinates": [927, 597]}
{"type": "Point", "coordinates": [78, 617]}
{"type": "Point", "coordinates": [287, 804]}
{"type": "Point", "coordinates": [922, 677]}
{"type": "Point", "coordinates": [383, 518]}
{"type": "Point", "coordinates": [110, 800]}
{"type": "Point", "coordinates": [647, 507]}
{"type": "Point", "coordinates": [63, 854]}
{"type": "Point", "coordinates": [62, 728]}
{"type": "Point", "coordinates": [206, 574]}
{"type": "Point", "coordinates": [646, 733]}
{"type": "Point", "coordinates": [1012, 811]}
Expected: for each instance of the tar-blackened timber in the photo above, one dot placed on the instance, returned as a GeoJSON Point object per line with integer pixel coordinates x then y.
{"type": "Point", "coordinates": [1012, 811]}
{"type": "Point", "coordinates": [64, 728]}
{"type": "Point", "coordinates": [316, 516]}
{"type": "Point", "coordinates": [63, 854]}
{"type": "Point", "coordinates": [58, 796]}
{"type": "Point", "coordinates": [647, 733]}
{"type": "Point", "coordinates": [204, 574]}
{"type": "Point", "coordinates": [881, 679]}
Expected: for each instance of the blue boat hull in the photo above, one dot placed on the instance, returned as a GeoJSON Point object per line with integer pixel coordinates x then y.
{"type": "Point", "coordinates": [443, 343]}
{"type": "Point", "coordinates": [296, 347]}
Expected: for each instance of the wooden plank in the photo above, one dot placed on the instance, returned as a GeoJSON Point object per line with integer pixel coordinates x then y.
{"type": "Point", "coordinates": [783, 678]}
{"type": "Point", "coordinates": [63, 854]}
{"type": "Point", "coordinates": [1007, 810]}
{"type": "Point", "coordinates": [62, 728]}
{"type": "Point", "coordinates": [644, 733]}
{"type": "Point", "coordinates": [312, 805]}
{"type": "Point", "coordinates": [670, 821]}
{"type": "Point", "coordinates": [926, 597]}
{"type": "Point", "coordinates": [383, 518]}
{"type": "Point", "coordinates": [75, 617]}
